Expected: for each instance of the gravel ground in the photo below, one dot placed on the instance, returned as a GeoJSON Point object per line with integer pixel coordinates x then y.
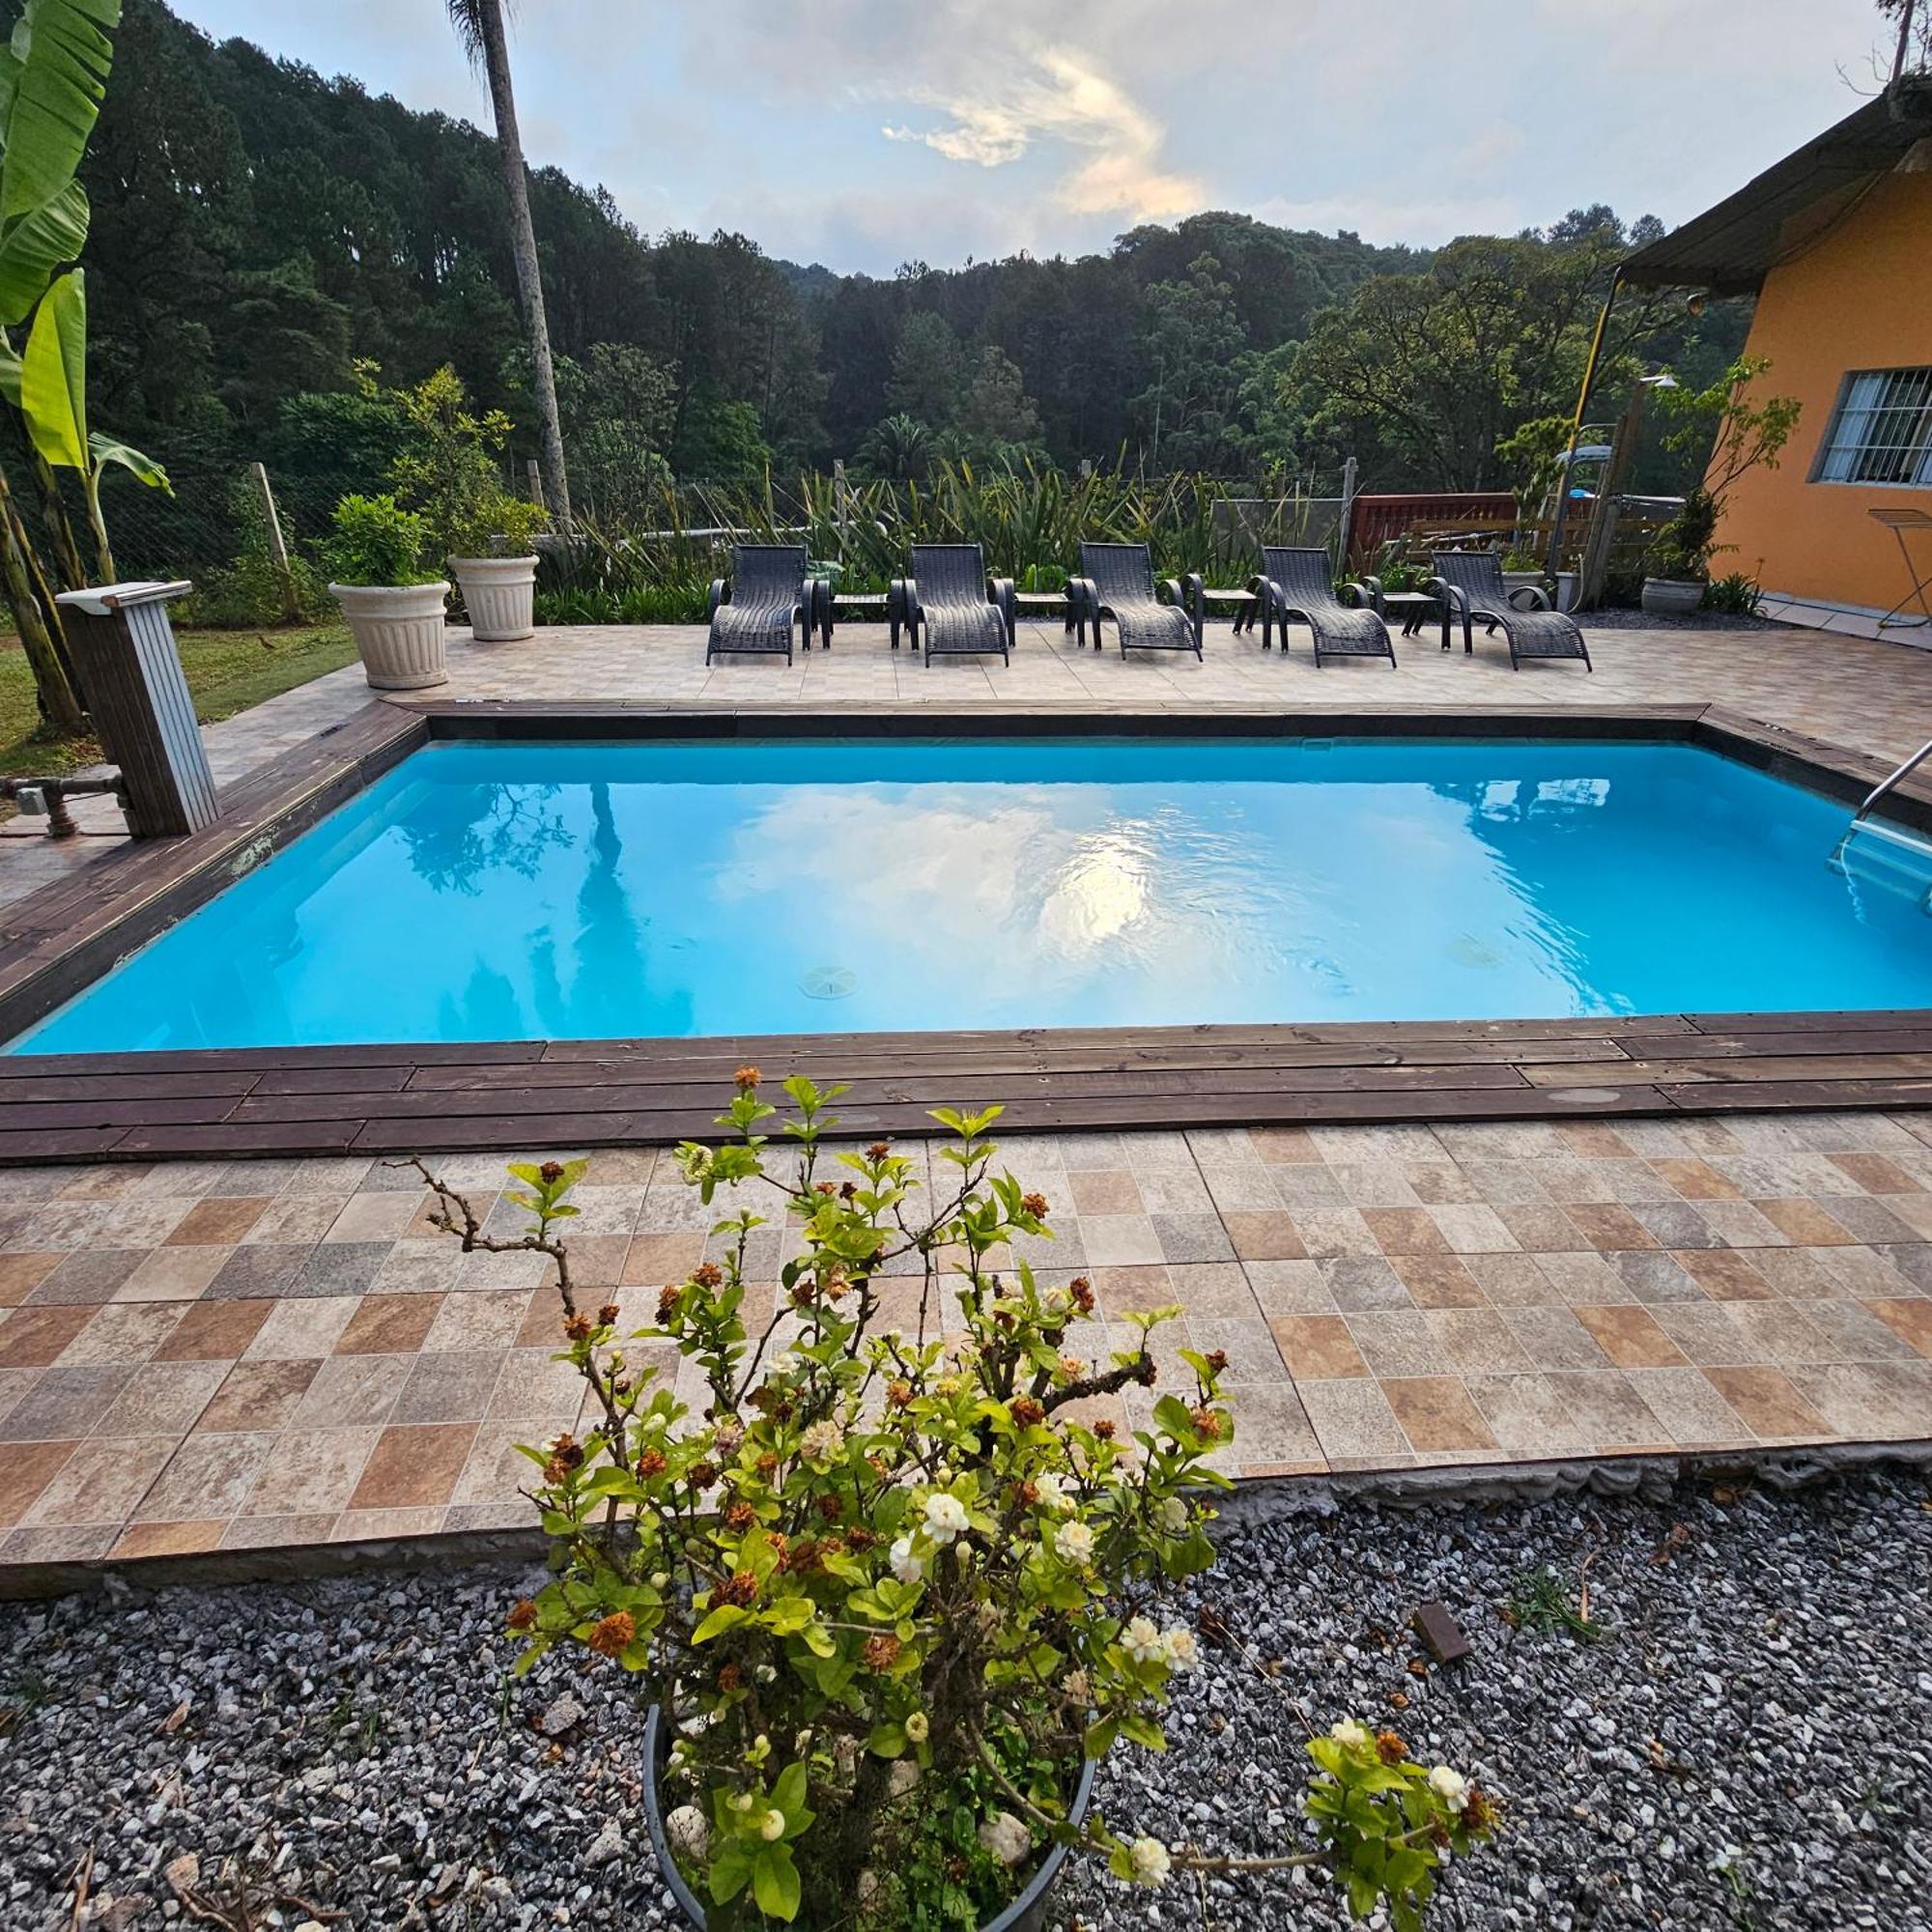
{"type": "Point", "coordinates": [345, 1752]}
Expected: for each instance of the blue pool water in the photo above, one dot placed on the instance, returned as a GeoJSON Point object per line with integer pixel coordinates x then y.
{"type": "Point", "coordinates": [501, 891]}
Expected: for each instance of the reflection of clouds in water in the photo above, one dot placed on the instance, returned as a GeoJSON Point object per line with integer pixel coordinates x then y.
{"type": "Point", "coordinates": [1050, 883]}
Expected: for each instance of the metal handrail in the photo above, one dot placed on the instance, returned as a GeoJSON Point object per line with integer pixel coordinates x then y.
{"type": "Point", "coordinates": [1883, 785]}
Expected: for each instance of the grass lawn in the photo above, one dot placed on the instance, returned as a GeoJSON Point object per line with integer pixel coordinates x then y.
{"type": "Point", "coordinates": [227, 671]}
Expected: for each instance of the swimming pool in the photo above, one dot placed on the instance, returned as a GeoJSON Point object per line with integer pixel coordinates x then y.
{"type": "Point", "coordinates": [515, 891]}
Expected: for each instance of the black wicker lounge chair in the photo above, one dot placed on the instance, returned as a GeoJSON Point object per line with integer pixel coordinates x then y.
{"type": "Point", "coordinates": [953, 609]}
{"type": "Point", "coordinates": [1469, 584]}
{"type": "Point", "coordinates": [1299, 584]}
{"type": "Point", "coordinates": [1116, 580]}
{"type": "Point", "coordinates": [767, 594]}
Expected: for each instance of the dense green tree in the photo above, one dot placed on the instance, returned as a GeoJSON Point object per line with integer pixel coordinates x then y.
{"type": "Point", "coordinates": [997, 409]}
{"type": "Point", "coordinates": [1191, 342]}
{"type": "Point", "coordinates": [929, 372]}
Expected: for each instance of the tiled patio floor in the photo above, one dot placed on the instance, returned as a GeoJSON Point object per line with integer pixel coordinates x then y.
{"type": "Point", "coordinates": [245, 1354]}
{"type": "Point", "coordinates": [228, 1355]}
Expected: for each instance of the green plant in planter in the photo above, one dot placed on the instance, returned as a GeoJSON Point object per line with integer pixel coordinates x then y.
{"type": "Point", "coordinates": [451, 469]}
{"type": "Point", "coordinates": [375, 541]}
{"type": "Point", "coordinates": [892, 1563]}
{"type": "Point", "coordinates": [1730, 433]}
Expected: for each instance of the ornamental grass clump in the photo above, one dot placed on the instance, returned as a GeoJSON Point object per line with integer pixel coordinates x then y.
{"type": "Point", "coordinates": [884, 1553]}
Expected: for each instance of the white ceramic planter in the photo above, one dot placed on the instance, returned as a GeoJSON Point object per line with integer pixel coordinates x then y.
{"type": "Point", "coordinates": [500, 593]}
{"type": "Point", "coordinates": [1524, 580]}
{"type": "Point", "coordinates": [1672, 596]}
{"type": "Point", "coordinates": [398, 631]}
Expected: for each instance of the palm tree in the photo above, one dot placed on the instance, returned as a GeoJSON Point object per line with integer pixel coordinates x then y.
{"type": "Point", "coordinates": [479, 25]}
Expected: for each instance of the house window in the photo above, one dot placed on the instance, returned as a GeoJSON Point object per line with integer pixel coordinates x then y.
{"type": "Point", "coordinates": [1881, 431]}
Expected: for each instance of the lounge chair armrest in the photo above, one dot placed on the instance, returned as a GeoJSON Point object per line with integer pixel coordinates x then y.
{"type": "Point", "coordinates": [1445, 592]}
{"type": "Point", "coordinates": [1539, 599]}
{"type": "Point", "coordinates": [909, 597]}
{"type": "Point", "coordinates": [1175, 593]}
{"type": "Point", "coordinates": [1000, 589]}
{"type": "Point", "coordinates": [1365, 591]}
{"type": "Point", "coordinates": [896, 600]}
{"type": "Point", "coordinates": [1082, 594]}
{"type": "Point", "coordinates": [721, 593]}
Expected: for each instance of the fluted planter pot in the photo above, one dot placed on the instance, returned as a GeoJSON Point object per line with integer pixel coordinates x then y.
{"type": "Point", "coordinates": [501, 595]}
{"type": "Point", "coordinates": [398, 631]}
{"type": "Point", "coordinates": [1025, 1914]}
{"type": "Point", "coordinates": [1672, 596]}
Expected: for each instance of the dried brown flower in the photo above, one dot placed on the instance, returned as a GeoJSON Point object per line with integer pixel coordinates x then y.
{"type": "Point", "coordinates": [668, 1301]}
{"type": "Point", "coordinates": [739, 1589]}
{"type": "Point", "coordinates": [740, 1516]}
{"type": "Point", "coordinates": [576, 1326]}
{"type": "Point", "coordinates": [881, 1652]}
{"type": "Point", "coordinates": [826, 1187]}
{"type": "Point", "coordinates": [652, 1462]}
{"type": "Point", "coordinates": [1218, 1360]}
{"type": "Point", "coordinates": [550, 1173]}
{"type": "Point", "coordinates": [703, 1474]}
{"type": "Point", "coordinates": [1206, 1421]}
{"type": "Point", "coordinates": [1104, 1429]}
{"type": "Point", "coordinates": [1027, 1411]}
{"type": "Point", "coordinates": [899, 1394]}
{"type": "Point", "coordinates": [829, 1507]}
{"type": "Point", "coordinates": [846, 1189]}
{"type": "Point", "coordinates": [607, 1315]}
{"type": "Point", "coordinates": [1389, 1748]}
{"type": "Point", "coordinates": [1082, 1291]}
{"type": "Point", "coordinates": [731, 1678]}
{"type": "Point", "coordinates": [613, 1635]}
{"type": "Point", "coordinates": [767, 1465]}
{"type": "Point", "coordinates": [747, 1078]}
{"type": "Point", "coordinates": [1034, 1205]}
{"type": "Point", "coordinates": [860, 1538]}
{"type": "Point", "coordinates": [708, 1274]}
{"type": "Point", "coordinates": [523, 1615]}
{"type": "Point", "coordinates": [878, 1150]}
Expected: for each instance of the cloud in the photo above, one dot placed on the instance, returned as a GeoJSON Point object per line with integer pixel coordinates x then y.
{"type": "Point", "coordinates": [1054, 95]}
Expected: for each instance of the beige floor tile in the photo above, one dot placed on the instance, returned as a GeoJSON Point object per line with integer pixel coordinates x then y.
{"type": "Point", "coordinates": [1438, 1415]}
{"type": "Point", "coordinates": [1352, 1419]}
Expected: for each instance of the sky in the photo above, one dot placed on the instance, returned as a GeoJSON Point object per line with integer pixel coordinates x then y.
{"type": "Point", "coordinates": [866, 133]}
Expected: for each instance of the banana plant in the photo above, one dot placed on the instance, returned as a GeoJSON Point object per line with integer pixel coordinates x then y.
{"type": "Point", "coordinates": [49, 386]}
{"type": "Point", "coordinates": [53, 77]}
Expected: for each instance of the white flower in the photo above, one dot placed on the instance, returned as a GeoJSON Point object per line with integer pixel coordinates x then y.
{"type": "Point", "coordinates": [1183, 1654]}
{"type": "Point", "coordinates": [1150, 1861]}
{"type": "Point", "coordinates": [1349, 1734]}
{"type": "Point", "coordinates": [822, 1442]}
{"type": "Point", "coordinates": [1006, 1838]}
{"type": "Point", "coordinates": [742, 1800]}
{"type": "Point", "coordinates": [1449, 1785]}
{"type": "Point", "coordinates": [1173, 1515]}
{"type": "Point", "coordinates": [689, 1833]}
{"type": "Point", "coordinates": [1074, 1542]}
{"type": "Point", "coordinates": [919, 1727]}
{"type": "Point", "coordinates": [944, 1519]}
{"type": "Point", "coordinates": [785, 1364]}
{"type": "Point", "coordinates": [1051, 1488]}
{"type": "Point", "coordinates": [906, 1566]}
{"type": "Point", "coordinates": [774, 1826]}
{"type": "Point", "coordinates": [729, 1437]}
{"type": "Point", "coordinates": [1077, 1686]}
{"type": "Point", "coordinates": [1142, 1642]}
{"type": "Point", "coordinates": [694, 1161]}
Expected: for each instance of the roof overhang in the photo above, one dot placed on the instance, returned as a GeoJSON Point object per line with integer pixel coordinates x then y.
{"type": "Point", "coordinates": [1730, 248]}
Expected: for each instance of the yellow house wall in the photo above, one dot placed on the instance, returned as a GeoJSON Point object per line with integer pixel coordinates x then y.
{"type": "Point", "coordinates": [1858, 299]}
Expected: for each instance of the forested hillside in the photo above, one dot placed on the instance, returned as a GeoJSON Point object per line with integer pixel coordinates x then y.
{"type": "Point", "coordinates": [258, 229]}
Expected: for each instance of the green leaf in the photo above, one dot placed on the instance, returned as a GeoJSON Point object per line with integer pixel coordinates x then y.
{"type": "Point", "coordinates": [727, 1616]}
{"type": "Point", "coordinates": [105, 449]}
{"type": "Point", "coordinates": [887, 1741]}
{"type": "Point", "coordinates": [58, 73]}
{"type": "Point", "coordinates": [53, 375]}
{"type": "Point", "coordinates": [34, 248]}
{"type": "Point", "coordinates": [775, 1883]}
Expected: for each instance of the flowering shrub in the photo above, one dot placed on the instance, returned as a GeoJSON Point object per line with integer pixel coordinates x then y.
{"type": "Point", "coordinates": [890, 1563]}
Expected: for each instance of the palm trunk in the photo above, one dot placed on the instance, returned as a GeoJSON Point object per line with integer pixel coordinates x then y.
{"type": "Point", "coordinates": [68, 566]}
{"type": "Point", "coordinates": [524, 248]}
{"type": "Point", "coordinates": [18, 569]}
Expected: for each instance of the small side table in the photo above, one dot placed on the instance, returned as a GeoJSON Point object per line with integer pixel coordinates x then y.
{"type": "Point", "coordinates": [1416, 608]}
{"type": "Point", "coordinates": [1898, 522]}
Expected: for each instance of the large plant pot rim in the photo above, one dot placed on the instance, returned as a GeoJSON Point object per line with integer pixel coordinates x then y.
{"type": "Point", "coordinates": [348, 595]}
{"type": "Point", "coordinates": [1024, 1914]}
{"type": "Point", "coordinates": [482, 566]}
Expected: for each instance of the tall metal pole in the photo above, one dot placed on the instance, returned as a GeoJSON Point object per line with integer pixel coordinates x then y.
{"type": "Point", "coordinates": [1553, 561]}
